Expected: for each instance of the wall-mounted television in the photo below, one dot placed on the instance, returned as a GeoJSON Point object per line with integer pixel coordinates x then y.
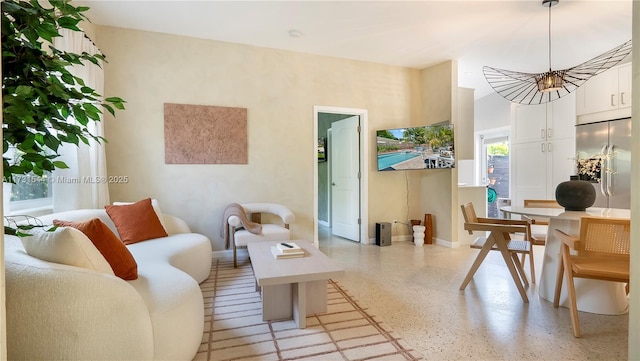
{"type": "Point", "coordinates": [426, 147]}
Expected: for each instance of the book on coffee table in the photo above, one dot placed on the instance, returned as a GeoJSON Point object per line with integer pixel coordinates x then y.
{"type": "Point", "coordinates": [289, 247]}
{"type": "Point", "coordinates": [278, 254]}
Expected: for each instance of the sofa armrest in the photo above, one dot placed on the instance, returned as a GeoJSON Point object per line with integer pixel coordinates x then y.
{"type": "Point", "coordinates": [63, 312]}
{"type": "Point", "coordinates": [175, 225]}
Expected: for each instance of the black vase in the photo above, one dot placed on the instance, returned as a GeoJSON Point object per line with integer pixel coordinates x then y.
{"type": "Point", "coordinates": [575, 195]}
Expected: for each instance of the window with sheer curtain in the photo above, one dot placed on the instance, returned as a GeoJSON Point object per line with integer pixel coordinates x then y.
{"type": "Point", "coordinates": [78, 186]}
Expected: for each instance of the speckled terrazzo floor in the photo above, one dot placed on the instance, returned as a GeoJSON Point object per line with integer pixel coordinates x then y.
{"type": "Point", "coordinates": [415, 290]}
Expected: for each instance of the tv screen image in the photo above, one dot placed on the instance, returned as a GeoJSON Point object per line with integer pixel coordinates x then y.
{"type": "Point", "coordinates": [425, 147]}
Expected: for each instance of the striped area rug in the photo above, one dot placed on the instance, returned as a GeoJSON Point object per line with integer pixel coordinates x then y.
{"type": "Point", "coordinates": [234, 329]}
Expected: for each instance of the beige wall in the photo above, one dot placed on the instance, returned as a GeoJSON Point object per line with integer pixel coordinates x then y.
{"type": "Point", "coordinates": [434, 188]}
{"type": "Point", "coordinates": [465, 130]}
{"type": "Point", "coordinates": [279, 88]}
{"type": "Point", "coordinates": [491, 112]}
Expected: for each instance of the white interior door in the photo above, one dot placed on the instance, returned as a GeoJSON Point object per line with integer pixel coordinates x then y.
{"type": "Point", "coordinates": [345, 183]}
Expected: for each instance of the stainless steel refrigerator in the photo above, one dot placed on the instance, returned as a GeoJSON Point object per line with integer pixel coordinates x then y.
{"type": "Point", "coordinates": [612, 138]}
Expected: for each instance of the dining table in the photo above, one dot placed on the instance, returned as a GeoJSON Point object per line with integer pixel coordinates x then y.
{"type": "Point", "coordinates": [594, 296]}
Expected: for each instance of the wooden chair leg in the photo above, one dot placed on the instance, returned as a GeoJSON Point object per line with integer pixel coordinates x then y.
{"type": "Point", "coordinates": [565, 259]}
{"type": "Point", "coordinates": [559, 277]}
{"type": "Point", "coordinates": [568, 271]}
{"type": "Point", "coordinates": [235, 256]}
{"type": "Point", "coordinates": [501, 242]}
{"type": "Point", "coordinates": [518, 264]}
{"type": "Point", "coordinates": [514, 274]}
{"type": "Point", "coordinates": [523, 256]}
{"type": "Point", "coordinates": [476, 264]}
{"type": "Point", "coordinates": [532, 265]}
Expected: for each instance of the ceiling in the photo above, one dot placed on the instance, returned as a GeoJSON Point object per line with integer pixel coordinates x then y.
{"type": "Point", "coordinates": [507, 34]}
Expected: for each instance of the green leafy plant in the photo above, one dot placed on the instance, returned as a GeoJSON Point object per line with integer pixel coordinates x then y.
{"type": "Point", "coordinates": [40, 96]}
{"type": "Point", "coordinates": [13, 228]}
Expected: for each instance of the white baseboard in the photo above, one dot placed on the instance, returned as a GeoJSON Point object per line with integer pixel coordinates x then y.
{"type": "Point", "coordinates": [409, 238]}
{"type": "Point", "coordinates": [324, 223]}
{"type": "Point", "coordinates": [402, 238]}
{"type": "Point", "coordinates": [445, 243]}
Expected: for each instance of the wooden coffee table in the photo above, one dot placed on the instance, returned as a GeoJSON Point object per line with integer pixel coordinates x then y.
{"type": "Point", "coordinates": [292, 287]}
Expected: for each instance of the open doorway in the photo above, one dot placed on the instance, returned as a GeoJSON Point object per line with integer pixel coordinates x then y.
{"type": "Point", "coordinates": [330, 194]}
{"type": "Point", "coordinates": [494, 170]}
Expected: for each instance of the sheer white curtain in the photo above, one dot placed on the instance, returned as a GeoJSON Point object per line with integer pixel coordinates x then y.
{"type": "Point", "coordinates": [83, 185]}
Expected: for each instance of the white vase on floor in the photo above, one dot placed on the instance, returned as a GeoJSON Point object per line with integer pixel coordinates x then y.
{"type": "Point", "coordinates": [418, 235]}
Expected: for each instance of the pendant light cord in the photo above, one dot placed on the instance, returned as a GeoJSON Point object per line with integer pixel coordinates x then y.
{"type": "Point", "coordinates": [550, 4]}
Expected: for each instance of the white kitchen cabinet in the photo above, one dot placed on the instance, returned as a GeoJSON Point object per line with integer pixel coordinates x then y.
{"type": "Point", "coordinates": [605, 96]}
{"type": "Point", "coordinates": [544, 122]}
{"type": "Point", "coordinates": [624, 86]}
{"type": "Point", "coordinates": [529, 123]}
{"type": "Point", "coordinates": [538, 167]}
{"type": "Point", "coordinates": [528, 172]}
{"type": "Point", "coordinates": [542, 148]}
{"type": "Point", "coordinates": [561, 121]}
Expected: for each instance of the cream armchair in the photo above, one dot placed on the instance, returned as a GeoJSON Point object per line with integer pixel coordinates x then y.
{"type": "Point", "coordinates": [270, 231]}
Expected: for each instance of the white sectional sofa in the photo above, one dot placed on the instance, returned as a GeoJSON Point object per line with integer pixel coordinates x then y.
{"type": "Point", "coordinates": [56, 311]}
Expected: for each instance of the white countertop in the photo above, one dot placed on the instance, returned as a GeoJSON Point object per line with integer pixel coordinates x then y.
{"type": "Point", "coordinates": [465, 185]}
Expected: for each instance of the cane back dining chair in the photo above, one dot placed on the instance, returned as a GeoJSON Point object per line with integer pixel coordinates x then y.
{"type": "Point", "coordinates": [601, 252]}
{"type": "Point", "coordinates": [499, 239]}
{"type": "Point", "coordinates": [539, 225]}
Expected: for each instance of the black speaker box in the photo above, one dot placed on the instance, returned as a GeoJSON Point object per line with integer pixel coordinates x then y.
{"type": "Point", "coordinates": [383, 234]}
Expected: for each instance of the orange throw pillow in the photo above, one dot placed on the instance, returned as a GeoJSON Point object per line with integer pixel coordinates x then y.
{"type": "Point", "coordinates": [112, 249]}
{"type": "Point", "coordinates": [136, 222]}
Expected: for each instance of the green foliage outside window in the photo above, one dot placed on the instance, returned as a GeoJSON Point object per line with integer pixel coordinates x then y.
{"type": "Point", "coordinates": [498, 149]}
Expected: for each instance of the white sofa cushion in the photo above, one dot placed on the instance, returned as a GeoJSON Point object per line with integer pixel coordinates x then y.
{"type": "Point", "coordinates": [65, 245]}
{"type": "Point", "coordinates": [188, 252]}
